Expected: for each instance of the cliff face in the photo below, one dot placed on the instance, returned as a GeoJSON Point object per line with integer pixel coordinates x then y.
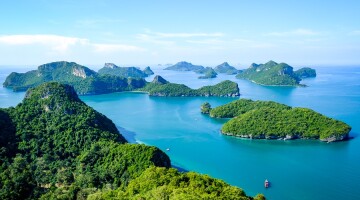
{"type": "Point", "coordinates": [84, 80]}
{"type": "Point", "coordinates": [124, 72]}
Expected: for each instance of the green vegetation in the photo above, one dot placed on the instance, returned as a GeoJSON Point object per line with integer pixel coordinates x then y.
{"type": "Point", "coordinates": [84, 80]}
{"type": "Point", "coordinates": [208, 73]}
{"type": "Point", "coordinates": [125, 72]}
{"type": "Point", "coordinates": [205, 108]}
{"type": "Point", "coordinates": [163, 88]}
{"type": "Point", "coordinates": [185, 66]}
{"type": "Point", "coordinates": [305, 72]}
{"type": "Point", "coordinates": [163, 183]}
{"type": "Point", "coordinates": [54, 146]}
{"type": "Point", "coordinates": [272, 73]}
{"type": "Point", "coordinates": [225, 68]}
{"type": "Point", "coordinates": [270, 120]}
{"type": "Point", "coordinates": [148, 71]}
{"type": "Point", "coordinates": [242, 106]}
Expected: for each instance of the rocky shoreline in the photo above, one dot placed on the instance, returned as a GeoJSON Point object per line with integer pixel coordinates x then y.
{"type": "Point", "coordinates": [288, 137]}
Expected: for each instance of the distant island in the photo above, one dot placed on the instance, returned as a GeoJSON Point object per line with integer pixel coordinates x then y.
{"type": "Point", "coordinates": [88, 82]}
{"type": "Point", "coordinates": [225, 68]}
{"type": "Point", "coordinates": [125, 72]}
{"type": "Point", "coordinates": [208, 73]}
{"type": "Point", "coordinates": [54, 146]}
{"type": "Point", "coordinates": [186, 66]}
{"type": "Point", "coordinates": [271, 120]}
{"type": "Point", "coordinates": [84, 80]}
{"type": "Point", "coordinates": [275, 74]}
{"type": "Point", "coordinates": [160, 87]}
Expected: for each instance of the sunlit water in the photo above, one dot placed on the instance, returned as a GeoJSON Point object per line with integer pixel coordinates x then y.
{"type": "Point", "coordinates": [296, 169]}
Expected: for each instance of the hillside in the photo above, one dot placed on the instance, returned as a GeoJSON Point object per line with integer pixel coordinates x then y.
{"type": "Point", "coordinates": [271, 120]}
{"type": "Point", "coordinates": [271, 73]}
{"type": "Point", "coordinates": [125, 72]}
{"type": "Point", "coordinates": [84, 80]}
{"type": "Point", "coordinates": [185, 66]}
{"type": "Point", "coordinates": [225, 68]}
{"type": "Point", "coordinates": [207, 72]}
{"type": "Point", "coordinates": [54, 146]}
{"type": "Point", "coordinates": [164, 88]}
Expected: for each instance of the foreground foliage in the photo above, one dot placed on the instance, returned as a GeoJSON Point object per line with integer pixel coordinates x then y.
{"type": "Point", "coordinates": [163, 183]}
{"type": "Point", "coordinates": [54, 146]}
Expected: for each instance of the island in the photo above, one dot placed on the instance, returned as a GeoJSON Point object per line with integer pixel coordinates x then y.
{"type": "Point", "coordinates": [225, 68]}
{"type": "Point", "coordinates": [88, 82]}
{"type": "Point", "coordinates": [160, 87]}
{"type": "Point", "coordinates": [185, 66]}
{"type": "Point", "coordinates": [271, 120]}
{"type": "Point", "coordinates": [305, 72]}
{"type": "Point", "coordinates": [148, 71]}
{"type": "Point", "coordinates": [84, 80]}
{"type": "Point", "coordinates": [208, 73]}
{"type": "Point", "coordinates": [274, 74]}
{"type": "Point", "coordinates": [125, 72]}
{"type": "Point", "coordinates": [54, 146]}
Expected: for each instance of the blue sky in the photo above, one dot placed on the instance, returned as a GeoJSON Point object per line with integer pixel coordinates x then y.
{"type": "Point", "coordinates": [93, 32]}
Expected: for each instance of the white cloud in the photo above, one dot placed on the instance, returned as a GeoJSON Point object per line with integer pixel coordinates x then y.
{"type": "Point", "coordinates": [57, 43]}
{"type": "Point", "coordinates": [297, 32]}
{"type": "Point", "coordinates": [152, 39]}
{"type": "Point", "coordinates": [187, 35]}
{"type": "Point", "coordinates": [116, 47]}
{"type": "Point", "coordinates": [62, 44]}
{"type": "Point", "coordinates": [206, 41]}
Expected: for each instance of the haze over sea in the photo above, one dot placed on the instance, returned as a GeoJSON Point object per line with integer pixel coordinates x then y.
{"type": "Point", "coordinates": [297, 169]}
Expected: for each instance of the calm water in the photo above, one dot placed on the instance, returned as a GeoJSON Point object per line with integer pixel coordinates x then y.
{"type": "Point", "coordinates": [296, 169]}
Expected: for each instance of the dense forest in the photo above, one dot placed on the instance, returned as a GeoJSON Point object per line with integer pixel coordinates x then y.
{"type": "Point", "coordinates": [83, 79]}
{"type": "Point", "coordinates": [277, 74]}
{"type": "Point", "coordinates": [271, 120]}
{"type": "Point", "coordinates": [125, 72]}
{"type": "Point", "coordinates": [54, 146]}
{"type": "Point", "coordinates": [164, 88]}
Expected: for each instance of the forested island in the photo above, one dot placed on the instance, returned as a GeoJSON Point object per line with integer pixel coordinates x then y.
{"type": "Point", "coordinates": [84, 80]}
{"type": "Point", "coordinates": [160, 87]}
{"type": "Point", "coordinates": [54, 146]}
{"type": "Point", "coordinates": [225, 68]}
{"type": "Point", "coordinates": [125, 72]}
{"type": "Point", "coordinates": [275, 74]}
{"type": "Point", "coordinates": [271, 120]}
{"type": "Point", "coordinates": [207, 72]}
{"type": "Point", "coordinates": [109, 79]}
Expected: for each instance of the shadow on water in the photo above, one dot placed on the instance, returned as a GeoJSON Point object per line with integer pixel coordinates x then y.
{"type": "Point", "coordinates": [128, 135]}
{"type": "Point", "coordinates": [180, 169]}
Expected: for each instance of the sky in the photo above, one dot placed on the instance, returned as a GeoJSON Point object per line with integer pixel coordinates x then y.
{"type": "Point", "coordinates": [203, 32]}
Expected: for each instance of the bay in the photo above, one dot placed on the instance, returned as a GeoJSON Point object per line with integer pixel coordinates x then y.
{"type": "Point", "coordinates": [296, 169]}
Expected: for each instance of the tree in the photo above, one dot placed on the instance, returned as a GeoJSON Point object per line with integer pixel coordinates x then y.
{"type": "Point", "coordinates": [205, 108]}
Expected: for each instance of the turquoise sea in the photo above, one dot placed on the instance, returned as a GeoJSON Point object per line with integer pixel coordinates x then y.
{"type": "Point", "coordinates": [296, 169]}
